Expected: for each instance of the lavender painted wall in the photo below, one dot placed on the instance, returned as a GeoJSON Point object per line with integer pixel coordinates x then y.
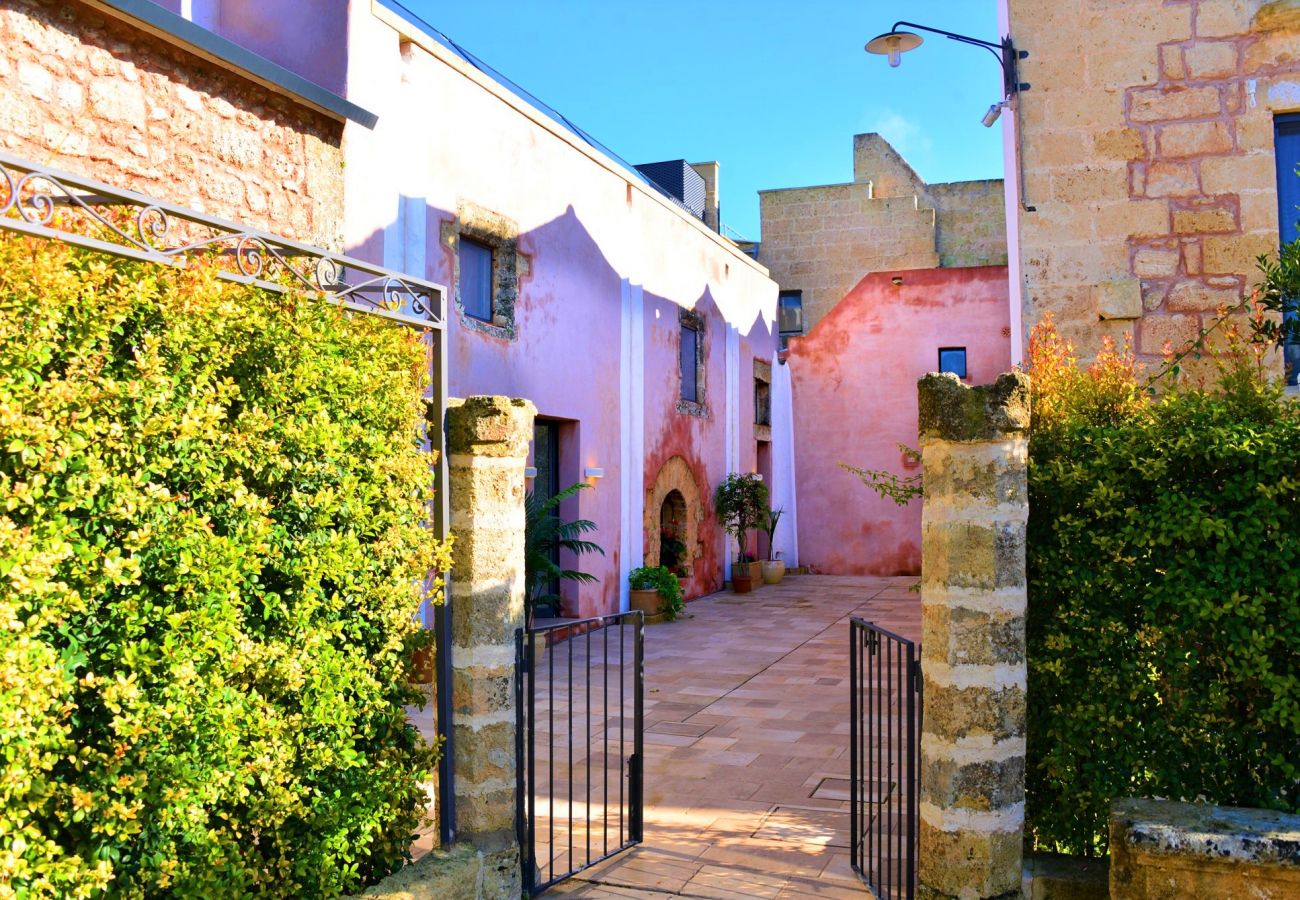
{"type": "Point", "coordinates": [592, 236]}
{"type": "Point", "coordinates": [854, 388]}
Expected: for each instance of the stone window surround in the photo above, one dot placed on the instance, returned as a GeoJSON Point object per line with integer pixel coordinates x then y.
{"type": "Point", "coordinates": [699, 406]}
{"type": "Point", "coordinates": [509, 266]}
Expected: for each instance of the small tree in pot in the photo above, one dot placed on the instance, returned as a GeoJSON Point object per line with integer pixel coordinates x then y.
{"type": "Point", "coordinates": [741, 505]}
{"type": "Point", "coordinates": [773, 566]}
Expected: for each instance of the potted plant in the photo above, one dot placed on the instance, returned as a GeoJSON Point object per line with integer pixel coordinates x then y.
{"type": "Point", "coordinates": [740, 502]}
{"type": "Point", "coordinates": [773, 566]}
{"type": "Point", "coordinates": [546, 535]}
{"type": "Point", "coordinates": [656, 592]}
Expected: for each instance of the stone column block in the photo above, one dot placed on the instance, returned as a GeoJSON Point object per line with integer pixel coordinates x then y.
{"type": "Point", "coordinates": [974, 453]}
{"type": "Point", "coordinates": [487, 448]}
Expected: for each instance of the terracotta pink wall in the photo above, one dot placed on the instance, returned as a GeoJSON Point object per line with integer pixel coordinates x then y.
{"type": "Point", "coordinates": [592, 235]}
{"type": "Point", "coordinates": [854, 381]}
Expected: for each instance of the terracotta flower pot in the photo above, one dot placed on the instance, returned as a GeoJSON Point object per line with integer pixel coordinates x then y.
{"type": "Point", "coordinates": [741, 583]}
{"type": "Point", "coordinates": [773, 571]}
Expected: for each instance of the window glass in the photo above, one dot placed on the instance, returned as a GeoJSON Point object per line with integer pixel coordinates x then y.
{"type": "Point", "coordinates": [953, 359]}
{"type": "Point", "coordinates": [689, 358]}
{"type": "Point", "coordinates": [762, 402]}
{"type": "Point", "coordinates": [790, 312]}
{"type": "Point", "coordinates": [476, 278]}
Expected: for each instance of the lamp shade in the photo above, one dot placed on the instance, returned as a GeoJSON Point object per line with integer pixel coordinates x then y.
{"type": "Point", "coordinates": [892, 43]}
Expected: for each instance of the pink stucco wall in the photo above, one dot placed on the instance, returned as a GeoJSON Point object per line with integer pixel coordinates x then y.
{"type": "Point", "coordinates": [855, 379]}
{"type": "Point", "coordinates": [592, 237]}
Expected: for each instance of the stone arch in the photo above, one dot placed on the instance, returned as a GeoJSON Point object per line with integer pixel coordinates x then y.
{"type": "Point", "coordinates": [676, 491]}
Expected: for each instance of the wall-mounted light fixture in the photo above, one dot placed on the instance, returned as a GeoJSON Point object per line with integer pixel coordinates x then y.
{"type": "Point", "coordinates": [593, 472]}
{"type": "Point", "coordinates": [894, 42]}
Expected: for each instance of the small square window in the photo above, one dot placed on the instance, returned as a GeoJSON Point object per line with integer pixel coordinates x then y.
{"type": "Point", "coordinates": [476, 278]}
{"type": "Point", "coordinates": [689, 361]}
{"type": "Point", "coordinates": [953, 359]}
{"type": "Point", "coordinates": [790, 312]}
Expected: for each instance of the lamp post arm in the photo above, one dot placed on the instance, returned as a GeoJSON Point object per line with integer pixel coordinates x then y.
{"type": "Point", "coordinates": [1005, 53]}
{"type": "Point", "coordinates": [948, 34]}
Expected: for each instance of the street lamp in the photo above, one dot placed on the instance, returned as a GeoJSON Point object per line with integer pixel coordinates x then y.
{"type": "Point", "coordinates": [893, 43]}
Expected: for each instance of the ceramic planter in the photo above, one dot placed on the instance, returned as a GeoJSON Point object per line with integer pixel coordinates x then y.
{"type": "Point", "coordinates": [773, 571]}
{"type": "Point", "coordinates": [648, 601]}
{"type": "Point", "coordinates": [741, 583]}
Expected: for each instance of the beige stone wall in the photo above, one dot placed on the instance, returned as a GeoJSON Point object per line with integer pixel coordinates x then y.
{"type": "Point", "coordinates": [89, 94]}
{"type": "Point", "coordinates": [823, 240]}
{"type": "Point", "coordinates": [1148, 155]}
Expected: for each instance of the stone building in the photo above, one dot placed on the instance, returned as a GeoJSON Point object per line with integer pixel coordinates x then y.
{"type": "Point", "coordinates": [818, 242]}
{"type": "Point", "coordinates": [1155, 146]}
{"type": "Point", "coordinates": [140, 97]}
{"type": "Point", "coordinates": [882, 280]}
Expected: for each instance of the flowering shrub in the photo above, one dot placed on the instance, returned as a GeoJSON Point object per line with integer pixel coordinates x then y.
{"type": "Point", "coordinates": [1164, 588]}
{"type": "Point", "coordinates": [211, 556]}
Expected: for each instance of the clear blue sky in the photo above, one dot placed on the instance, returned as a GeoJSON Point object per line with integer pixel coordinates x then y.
{"type": "Point", "coordinates": [772, 90]}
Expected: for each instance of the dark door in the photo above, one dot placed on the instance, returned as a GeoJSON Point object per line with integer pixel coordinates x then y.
{"type": "Point", "coordinates": [1287, 140]}
{"type": "Point", "coordinates": [546, 484]}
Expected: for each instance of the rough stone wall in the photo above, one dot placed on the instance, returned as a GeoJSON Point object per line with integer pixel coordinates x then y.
{"type": "Point", "coordinates": [971, 223]}
{"type": "Point", "coordinates": [1161, 850]}
{"type": "Point", "coordinates": [87, 93]}
{"type": "Point", "coordinates": [1148, 154]}
{"type": "Point", "coordinates": [823, 240]}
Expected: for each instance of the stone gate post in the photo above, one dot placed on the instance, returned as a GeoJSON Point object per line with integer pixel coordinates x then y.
{"type": "Point", "coordinates": [974, 449]}
{"type": "Point", "coordinates": [487, 448]}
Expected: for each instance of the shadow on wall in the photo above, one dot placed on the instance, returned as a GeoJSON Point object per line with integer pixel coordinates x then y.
{"type": "Point", "coordinates": [564, 356]}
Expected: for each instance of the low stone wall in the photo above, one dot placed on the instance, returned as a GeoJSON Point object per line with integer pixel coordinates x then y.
{"type": "Point", "coordinates": [1161, 849]}
{"type": "Point", "coordinates": [461, 873]}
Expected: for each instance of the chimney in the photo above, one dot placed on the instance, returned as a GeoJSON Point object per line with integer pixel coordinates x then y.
{"type": "Point", "coordinates": [712, 208]}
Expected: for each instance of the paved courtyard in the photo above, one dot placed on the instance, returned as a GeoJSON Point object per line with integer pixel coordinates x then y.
{"type": "Point", "coordinates": [746, 744]}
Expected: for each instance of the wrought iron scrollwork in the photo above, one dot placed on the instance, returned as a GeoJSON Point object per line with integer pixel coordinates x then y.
{"type": "Point", "coordinates": [81, 211]}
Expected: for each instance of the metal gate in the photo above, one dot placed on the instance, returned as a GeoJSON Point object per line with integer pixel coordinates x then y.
{"type": "Point", "coordinates": [579, 706]}
{"type": "Point", "coordinates": [884, 758]}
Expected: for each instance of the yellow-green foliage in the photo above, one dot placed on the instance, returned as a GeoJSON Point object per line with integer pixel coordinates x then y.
{"type": "Point", "coordinates": [1164, 591]}
{"type": "Point", "coordinates": [211, 549]}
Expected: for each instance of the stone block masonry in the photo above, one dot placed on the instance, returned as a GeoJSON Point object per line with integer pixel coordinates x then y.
{"type": "Point", "coordinates": [974, 452]}
{"type": "Point", "coordinates": [1148, 153]}
{"type": "Point", "coordinates": [487, 448]}
{"type": "Point", "coordinates": [90, 94]}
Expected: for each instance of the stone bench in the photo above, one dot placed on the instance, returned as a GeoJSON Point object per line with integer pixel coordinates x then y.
{"type": "Point", "coordinates": [1162, 849]}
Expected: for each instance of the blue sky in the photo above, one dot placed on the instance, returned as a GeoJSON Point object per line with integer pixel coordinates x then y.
{"type": "Point", "coordinates": [772, 90]}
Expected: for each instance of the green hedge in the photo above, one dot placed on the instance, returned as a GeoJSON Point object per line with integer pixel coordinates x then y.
{"type": "Point", "coordinates": [1164, 601]}
{"type": "Point", "coordinates": [211, 542]}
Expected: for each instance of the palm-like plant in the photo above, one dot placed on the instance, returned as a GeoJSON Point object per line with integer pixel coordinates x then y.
{"type": "Point", "coordinates": [545, 535]}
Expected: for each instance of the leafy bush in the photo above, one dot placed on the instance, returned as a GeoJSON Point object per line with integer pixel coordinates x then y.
{"type": "Point", "coordinates": [1164, 591]}
{"type": "Point", "coordinates": [211, 557]}
{"type": "Point", "coordinates": [661, 579]}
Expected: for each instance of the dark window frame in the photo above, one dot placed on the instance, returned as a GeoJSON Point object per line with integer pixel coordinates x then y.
{"type": "Point", "coordinates": [965, 361]}
{"type": "Point", "coordinates": [762, 402]}
{"type": "Point", "coordinates": [490, 286]}
{"type": "Point", "coordinates": [697, 406]}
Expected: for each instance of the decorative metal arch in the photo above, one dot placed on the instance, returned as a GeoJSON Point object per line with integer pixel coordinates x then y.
{"type": "Point", "coordinates": [47, 202]}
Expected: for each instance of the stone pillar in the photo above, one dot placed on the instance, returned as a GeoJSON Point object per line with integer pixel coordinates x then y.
{"type": "Point", "coordinates": [487, 447]}
{"type": "Point", "coordinates": [974, 449]}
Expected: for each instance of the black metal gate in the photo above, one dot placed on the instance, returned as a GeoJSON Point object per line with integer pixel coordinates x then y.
{"type": "Point", "coordinates": [578, 698]}
{"type": "Point", "coordinates": [884, 758]}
